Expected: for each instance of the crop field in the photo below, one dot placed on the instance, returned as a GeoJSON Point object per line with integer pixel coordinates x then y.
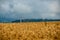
{"type": "Point", "coordinates": [30, 31]}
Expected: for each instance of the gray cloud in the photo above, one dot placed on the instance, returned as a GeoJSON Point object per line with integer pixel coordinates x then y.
{"type": "Point", "coordinates": [17, 9]}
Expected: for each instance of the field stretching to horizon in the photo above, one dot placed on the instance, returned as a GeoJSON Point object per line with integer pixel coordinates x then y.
{"type": "Point", "coordinates": [30, 31]}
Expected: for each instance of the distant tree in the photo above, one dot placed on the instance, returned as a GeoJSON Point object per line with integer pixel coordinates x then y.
{"type": "Point", "coordinates": [16, 21]}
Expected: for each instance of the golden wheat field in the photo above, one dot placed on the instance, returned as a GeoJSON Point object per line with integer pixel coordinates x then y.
{"type": "Point", "coordinates": [30, 31]}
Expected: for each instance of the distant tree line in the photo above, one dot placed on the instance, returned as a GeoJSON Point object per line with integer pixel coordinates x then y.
{"type": "Point", "coordinates": [35, 20]}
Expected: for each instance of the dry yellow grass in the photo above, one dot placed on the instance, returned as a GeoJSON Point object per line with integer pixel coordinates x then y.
{"type": "Point", "coordinates": [30, 31]}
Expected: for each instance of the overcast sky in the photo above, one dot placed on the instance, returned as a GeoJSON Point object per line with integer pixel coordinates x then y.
{"type": "Point", "coordinates": [27, 9]}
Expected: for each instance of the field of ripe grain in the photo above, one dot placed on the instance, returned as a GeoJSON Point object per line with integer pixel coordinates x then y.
{"type": "Point", "coordinates": [30, 31]}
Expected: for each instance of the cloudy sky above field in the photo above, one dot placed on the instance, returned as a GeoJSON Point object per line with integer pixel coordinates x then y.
{"type": "Point", "coordinates": [17, 9]}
